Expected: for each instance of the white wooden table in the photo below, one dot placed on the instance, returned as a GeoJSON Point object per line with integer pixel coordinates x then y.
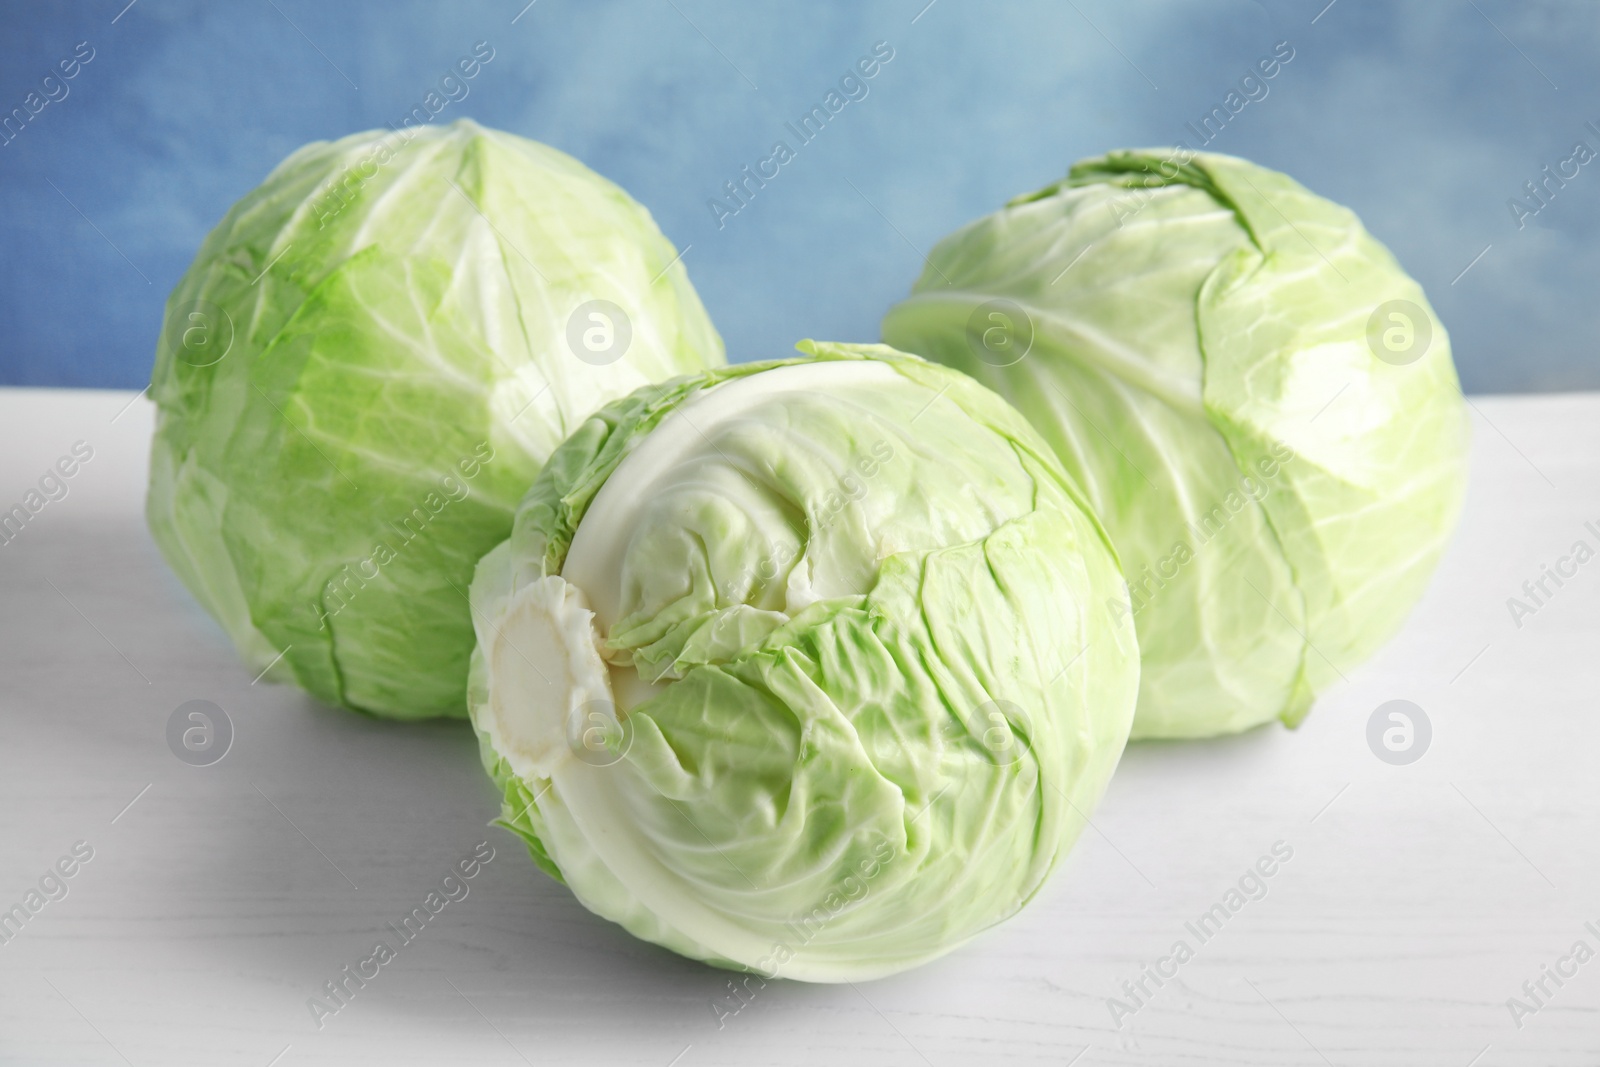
{"type": "Point", "coordinates": [1418, 899]}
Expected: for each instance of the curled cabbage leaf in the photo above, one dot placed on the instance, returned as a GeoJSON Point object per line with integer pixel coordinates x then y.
{"type": "Point", "coordinates": [802, 667]}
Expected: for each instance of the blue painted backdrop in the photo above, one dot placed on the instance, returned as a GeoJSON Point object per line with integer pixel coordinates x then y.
{"type": "Point", "coordinates": [1425, 117]}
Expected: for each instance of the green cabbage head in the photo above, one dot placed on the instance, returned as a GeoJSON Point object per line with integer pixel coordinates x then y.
{"type": "Point", "coordinates": [803, 667]}
{"type": "Point", "coordinates": [1258, 401]}
{"type": "Point", "coordinates": [363, 371]}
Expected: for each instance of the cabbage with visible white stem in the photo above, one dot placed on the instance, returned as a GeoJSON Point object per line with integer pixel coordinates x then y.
{"type": "Point", "coordinates": [1258, 401]}
{"type": "Point", "coordinates": [802, 667]}
{"type": "Point", "coordinates": [363, 371]}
